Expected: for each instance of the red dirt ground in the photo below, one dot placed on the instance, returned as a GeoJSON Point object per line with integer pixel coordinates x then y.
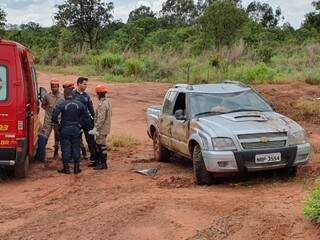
{"type": "Point", "coordinates": [120, 204]}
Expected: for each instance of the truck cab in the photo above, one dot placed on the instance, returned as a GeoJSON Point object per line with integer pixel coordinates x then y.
{"type": "Point", "coordinates": [19, 107]}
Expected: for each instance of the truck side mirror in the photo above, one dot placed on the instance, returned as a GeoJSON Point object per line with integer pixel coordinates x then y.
{"type": "Point", "coordinates": [179, 115]}
{"type": "Point", "coordinates": [42, 93]}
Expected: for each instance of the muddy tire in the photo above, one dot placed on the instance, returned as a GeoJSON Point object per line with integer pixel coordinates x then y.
{"type": "Point", "coordinates": [201, 174]}
{"type": "Point", "coordinates": [161, 154]}
{"type": "Point", "coordinates": [21, 169]}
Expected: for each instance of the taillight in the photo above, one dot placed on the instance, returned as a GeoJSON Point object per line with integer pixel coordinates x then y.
{"type": "Point", "coordinates": [20, 127]}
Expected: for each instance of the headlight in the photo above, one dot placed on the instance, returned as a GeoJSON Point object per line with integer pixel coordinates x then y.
{"type": "Point", "coordinates": [223, 144]}
{"type": "Point", "coordinates": [297, 138]}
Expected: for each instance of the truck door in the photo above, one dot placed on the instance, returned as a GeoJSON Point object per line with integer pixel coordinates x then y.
{"type": "Point", "coordinates": [8, 100]}
{"type": "Point", "coordinates": [166, 119]}
{"type": "Point", "coordinates": [180, 128]}
{"type": "Point", "coordinates": [33, 106]}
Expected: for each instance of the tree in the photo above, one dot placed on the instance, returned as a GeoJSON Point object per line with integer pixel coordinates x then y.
{"type": "Point", "coordinates": [130, 36]}
{"type": "Point", "coordinates": [2, 21]}
{"type": "Point", "coordinates": [223, 22]}
{"type": "Point", "coordinates": [31, 26]}
{"type": "Point", "coordinates": [264, 14]}
{"type": "Point", "coordinates": [86, 17]}
{"type": "Point", "coordinates": [312, 20]}
{"type": "Point", "coordinates": [141, 12]}
{"type": "Point", "coordinates": [179, 12]}
{"type": "Point", "coordinates": [203, 4]}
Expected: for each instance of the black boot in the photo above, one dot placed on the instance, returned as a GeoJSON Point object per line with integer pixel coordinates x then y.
{"type": "Point", "coordinates": [93, 164]}
{"type": "Point", "coordinates": [102, 162]}
{"type": "Point", "coordinates": [100, 167]}
{"type": "Point", "coordinates": [65, 169]}
{"type": "Point", "coordinates": [77, 169]}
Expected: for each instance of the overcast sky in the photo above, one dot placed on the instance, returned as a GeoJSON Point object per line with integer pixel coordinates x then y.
{"type": "Point", "coordinates": [41, 11]}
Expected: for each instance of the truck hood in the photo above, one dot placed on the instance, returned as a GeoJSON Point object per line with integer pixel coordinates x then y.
{"type": "Point", "coordinates": [226, 125]}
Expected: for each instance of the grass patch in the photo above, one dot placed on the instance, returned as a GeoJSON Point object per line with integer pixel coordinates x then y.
{"type": "Point", "coordinates": [259, 73]}
{"type": "Point", "coordinates": [313, 77]}
{"type": "Point", "coordinates": [122, 141]}
{"type": "Point", "coordinates": [311, 208]}
{"type": "Point", "coordinates": [309, 108]}
{"type": "Point", "coordinates": [84, 70]}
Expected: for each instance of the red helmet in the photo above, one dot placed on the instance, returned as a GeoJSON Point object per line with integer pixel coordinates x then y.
{"type": "Point", "coordinates": [68, 84]}
{"type": "Point", "coordinates": [101, 89]}
{"type": "Point", "coordinates": [54, 81]}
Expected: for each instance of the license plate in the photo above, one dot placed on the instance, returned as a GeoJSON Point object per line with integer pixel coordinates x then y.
{"type": "Point", "coordinates": [268, 158]}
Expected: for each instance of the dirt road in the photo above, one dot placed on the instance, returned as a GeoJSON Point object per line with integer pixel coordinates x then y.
{"type": "Point", "coordinates": [119, 204]}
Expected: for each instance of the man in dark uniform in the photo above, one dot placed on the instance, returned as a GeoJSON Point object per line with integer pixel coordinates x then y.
{"type": "Point", "coordinates": [69, 84]}
{"type": "Point", "coordinates": [73, 114]}
{"type": "Point", "coordinates": [80, 95]}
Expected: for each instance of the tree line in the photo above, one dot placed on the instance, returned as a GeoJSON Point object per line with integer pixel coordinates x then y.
{"type": "Point", "coordinates": [181, 25]}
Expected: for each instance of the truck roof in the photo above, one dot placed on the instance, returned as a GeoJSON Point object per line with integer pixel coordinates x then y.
{"type": "Point", "coordinates": [217, 88]}
{"type": "Point", "coordinates": [12, 43]}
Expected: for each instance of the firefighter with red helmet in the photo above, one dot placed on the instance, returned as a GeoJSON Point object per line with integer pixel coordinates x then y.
{"type": "Point", "coordinates": [102, 126]}
{"type": "Point", "coordinates": [49, 101]}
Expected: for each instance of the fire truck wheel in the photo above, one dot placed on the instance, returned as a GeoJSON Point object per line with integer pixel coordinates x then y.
{"type": "Point", "coordinates": [22, 168]}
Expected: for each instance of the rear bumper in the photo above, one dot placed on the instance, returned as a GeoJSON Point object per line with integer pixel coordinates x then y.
{"type": "Point", "coordinates": [7, 162]}
{"type": "Point", "coordinates": [12, 156]}
{"type": "Point", "coordinates": [244, 161]}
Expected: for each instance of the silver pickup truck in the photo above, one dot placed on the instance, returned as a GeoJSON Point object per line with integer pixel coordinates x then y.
{"type": "Point", "coordinates": [225, 127]}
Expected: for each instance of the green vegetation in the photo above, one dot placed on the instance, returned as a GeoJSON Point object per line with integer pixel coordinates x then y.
{"type": "Point", "coordinates": [312, 205]}
{"type": "Point", "coordinates": [122, 141]}
{"type": "Point", "coordinates": [187, 41]}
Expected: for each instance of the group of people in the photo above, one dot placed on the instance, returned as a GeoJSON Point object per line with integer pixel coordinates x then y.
{"type": "Point", "coordinates": [69, 115]}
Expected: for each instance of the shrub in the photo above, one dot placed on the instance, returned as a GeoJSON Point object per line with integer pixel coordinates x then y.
{"type": "Point", "coordinates": [309, 108]}
{"type": "Point", "coordinates": [265, 54]}
{"type": "Point", "coordinates": [109, 60]}
{"type": "Point", "coordinates": [311, 208]}
{"type": "Point", "coordinates": [214, 60]}
{"type": "Point", "coordinates": [122, 141]}
{"type": "Point", "coordinates": [186, 65]}
{"type": "Point", "coordinates": [312, 77]}
{"type": "Point", "coordinates": [47, 56]}
{"type": "Point", "coordinates": [133, 66]}
{"type": "Point", "coordinates": [259, 73]}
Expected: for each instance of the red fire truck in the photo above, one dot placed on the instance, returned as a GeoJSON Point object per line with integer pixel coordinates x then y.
{"type": "Point", "coordinates": [19, 107]}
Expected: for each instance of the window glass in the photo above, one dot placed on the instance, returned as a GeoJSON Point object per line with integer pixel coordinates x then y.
{"type": "Point", "coordinates": [225, 103]}
{"type": "Point", "coordinates": [3, 83]}
{"type": "Point", "coordinates": [34, 82]}
{"type": "Point", "coordinates": [168, 103]}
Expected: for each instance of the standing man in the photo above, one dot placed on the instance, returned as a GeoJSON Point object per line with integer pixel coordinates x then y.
{"type": "Point", "coordinates": [73, 114]}
{"type": "Point", "coordinates": [49, 101]}
{"type": "Point", "coordinates": [102, 126]}
{"type": "Point", "coordinates": [81, 95]}
{"type": "Point", "coordinates": [69, 84]}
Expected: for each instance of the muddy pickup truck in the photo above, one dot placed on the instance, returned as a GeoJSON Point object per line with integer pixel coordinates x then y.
{"type": "Point", "coordinates": [225, 127]}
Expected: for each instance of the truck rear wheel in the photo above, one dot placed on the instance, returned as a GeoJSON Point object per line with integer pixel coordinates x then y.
{"type": "Point", "coordinates": [201, 174]}
{"type": "Point", "coordinates": [21, 169]}
{"type": "Point", "coordinates": [161, 154]}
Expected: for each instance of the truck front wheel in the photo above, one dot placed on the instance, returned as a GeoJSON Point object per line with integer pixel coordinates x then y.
{"type": "Point", "coordinates": [21, 168]}
{"type": "Point", "coordinates": [201, 174]}
{"type": "Point", "coordinates": [161, 154]}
